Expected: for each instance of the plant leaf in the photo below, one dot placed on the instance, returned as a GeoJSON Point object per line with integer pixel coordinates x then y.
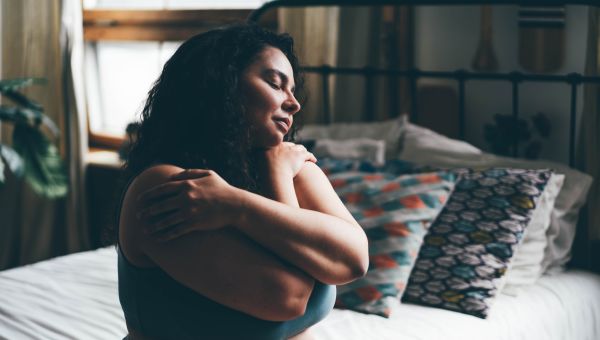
{"type": "Point", "coordinates": [27, 116]}
{"type": "Point", "coordinates": [19, 115]}
{"type": "Point", "coordinates": [542, 124]}
{"type": "Point", "coordinates": [18, 83]}
{"type": "Point", "coordinates": [22, 100]}
{"type": "Point", "coordinates": [12, 159]}
{"type": "Point", "coordinates": [44, 169]}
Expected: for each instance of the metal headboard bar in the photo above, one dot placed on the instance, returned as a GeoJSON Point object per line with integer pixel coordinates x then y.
{"type": "Point", "coordinates": [572, 124]}
{"type": "Point", "coordinates": [466, 74]}
{"type": "Point", "coordinates": [461, 76]}
{"type": "Point", "coordinates": [308, 3]}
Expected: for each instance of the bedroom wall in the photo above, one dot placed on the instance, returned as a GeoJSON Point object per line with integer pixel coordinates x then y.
{"type": "Point", "coordinates": [446, 39]}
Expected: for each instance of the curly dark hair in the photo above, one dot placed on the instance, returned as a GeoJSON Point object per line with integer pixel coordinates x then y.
{"type": "Point", "coordinates": [194, 117]}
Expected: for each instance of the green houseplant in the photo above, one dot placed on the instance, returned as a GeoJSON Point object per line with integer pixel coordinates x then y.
{"type": "Point", "coordinates": [32, 155]}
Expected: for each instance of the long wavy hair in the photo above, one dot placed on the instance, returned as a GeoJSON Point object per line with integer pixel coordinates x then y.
{"type": "Point", "coordinates": [194, 116]}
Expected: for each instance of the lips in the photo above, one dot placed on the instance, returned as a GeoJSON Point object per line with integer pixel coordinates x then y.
{"type": "Point", "coordinates": [284, 123]}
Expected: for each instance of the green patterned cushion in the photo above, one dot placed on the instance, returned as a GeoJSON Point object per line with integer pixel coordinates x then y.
{"type": "Point", "coordinates": [469, 246]}
{"type": "Point", "coordinates": [395, 212]}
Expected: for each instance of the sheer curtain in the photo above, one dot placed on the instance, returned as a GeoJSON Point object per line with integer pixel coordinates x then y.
{"type": "Point", "coordinates": [75, 132]}
{"type": "Point", "coordinates": [43, 39]}
{"type": "Point", "coordinates": [315, 33]}
{"type": "Point", "coordinates": [589, 146]}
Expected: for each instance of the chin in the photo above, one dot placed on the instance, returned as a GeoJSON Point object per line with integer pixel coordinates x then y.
{"type": "Point", "coordinates": [269, 140]}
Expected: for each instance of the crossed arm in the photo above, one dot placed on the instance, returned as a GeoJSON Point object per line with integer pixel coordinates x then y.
{"type": "Point", "coordinates": [265, 260]}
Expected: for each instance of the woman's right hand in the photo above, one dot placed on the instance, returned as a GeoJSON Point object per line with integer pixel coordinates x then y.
{"type": "Point", "coordinates": [288, 158]}
{"type": "Point", "coordinates": [194, 200]}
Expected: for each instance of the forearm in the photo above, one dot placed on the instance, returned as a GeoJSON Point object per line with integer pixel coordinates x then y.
{"type": "Point", "coordinates": [326, 247]}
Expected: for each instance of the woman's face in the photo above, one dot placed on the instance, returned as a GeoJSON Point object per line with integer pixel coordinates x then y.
{"type": "Point", "coordinates": [268, 89]}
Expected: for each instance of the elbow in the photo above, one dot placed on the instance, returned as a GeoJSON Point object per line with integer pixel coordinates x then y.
{"type": "Point", "coordinates": [292, 307]}
{"type": "Point", "coordinates": [346, 272]}
{"type": "Point", "coordinates": [355, 266]}
{"type": "Point", "coordinates": [358, 268]}
{"type": "Point", "coordinates": [359, 264]}
{"type": "Point", "coordinates": [361, 267]}
{"type": "Point", "coordinates": [289, 301]}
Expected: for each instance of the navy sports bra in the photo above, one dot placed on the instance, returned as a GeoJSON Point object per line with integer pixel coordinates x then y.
{"type": "Point", "coordinates": [158, 306]}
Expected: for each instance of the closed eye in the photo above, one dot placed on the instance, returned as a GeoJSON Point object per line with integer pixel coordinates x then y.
{"type": "Point", "coordinates": [277, 79]}
{"type": "Point", "coordinates": [274, 85]}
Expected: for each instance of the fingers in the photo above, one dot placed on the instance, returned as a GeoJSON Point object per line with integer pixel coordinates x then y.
{"type": "Point", "coordinates": [191, 174]}
{"type": "Point", "coordinates": [161, 190]}
{"type": "Point", "coordinates": [172, 233]}
{"type": "Point", "coordinates": [159, 207]}
{"type": "Point", "coordinates": [165, 224]}
{"type": "Point", "coordinates": [309, 155]}
{"type": "Point", "coordinates": [174, 187]}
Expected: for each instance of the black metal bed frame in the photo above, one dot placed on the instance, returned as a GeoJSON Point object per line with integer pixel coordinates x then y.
{"type": "Point", "coordinates": [574, 80]}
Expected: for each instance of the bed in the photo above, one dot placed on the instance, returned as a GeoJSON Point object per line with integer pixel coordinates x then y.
{"type": "Point", "coordinates": [405, 184]}
{"type": "Point", "coordinates": [75, 297]}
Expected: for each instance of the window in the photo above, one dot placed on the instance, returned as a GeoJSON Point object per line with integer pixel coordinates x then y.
{"type": "Point", "coordinates": [127, 43]}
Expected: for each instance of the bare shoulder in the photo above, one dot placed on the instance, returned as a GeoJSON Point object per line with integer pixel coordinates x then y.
{"type": "Point", "coordinates": [152, 176]}
{"type": "Point", "coordinates": [131, 236]}
{"type": "Point", "coordinates": [310, 172]}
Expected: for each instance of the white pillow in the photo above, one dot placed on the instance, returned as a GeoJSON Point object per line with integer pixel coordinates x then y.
{"type": "Point", "coordinates": [390, 131]}
{"type": "Point", "coordinates": [572, 196]}
{"type": "Point", "coordinates": [419, 144]}
{"type": "Point", "coordinates": [526, 265]}
{"type": "Point", "coordinates": [358, 148]}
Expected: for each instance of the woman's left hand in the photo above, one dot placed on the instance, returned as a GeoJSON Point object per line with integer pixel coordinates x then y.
{"type": "Point", "coordinates": [287, 158]}
{"type": "Point", "coordinates": [194, 200]}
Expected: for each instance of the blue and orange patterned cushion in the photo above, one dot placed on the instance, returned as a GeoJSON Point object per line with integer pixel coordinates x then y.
{"type": "Point", "coordinates": [469, 246]}
{"type": "Point", "coordinates": [395, 211]}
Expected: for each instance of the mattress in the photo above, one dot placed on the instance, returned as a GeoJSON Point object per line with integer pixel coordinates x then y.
{"type": "Point", "coordinates": [564, 306]}
{"type": "Point", "coordinates": [75, 297]}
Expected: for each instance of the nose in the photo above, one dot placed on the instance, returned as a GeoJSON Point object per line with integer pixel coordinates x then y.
{"type": "Point", "coordinates": [291, 104]}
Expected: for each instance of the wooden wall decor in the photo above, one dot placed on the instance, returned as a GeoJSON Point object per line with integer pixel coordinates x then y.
{"type": "Point", "coordinates": [485, 57]}
{"type": "Point", "coordinates": [541, 38]}
{"type": "Point", "coordinates": [398, 32]}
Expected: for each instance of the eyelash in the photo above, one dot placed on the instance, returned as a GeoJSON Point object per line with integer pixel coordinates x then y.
{"type": "Point", "coordinates": [275, 86]}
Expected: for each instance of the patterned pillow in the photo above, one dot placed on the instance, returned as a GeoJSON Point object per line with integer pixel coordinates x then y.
{"type": "Point", "coordinates": [392, 167]}
{"type": "Point", "coordinates": [395, 212]}
{"type": "Point", "coordinates": [469, 246]}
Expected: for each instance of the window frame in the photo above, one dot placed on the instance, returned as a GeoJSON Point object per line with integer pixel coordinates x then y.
{"type": "Point", "coordinates": [154, 25]}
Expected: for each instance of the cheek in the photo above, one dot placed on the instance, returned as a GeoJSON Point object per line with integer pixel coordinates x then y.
{"type": "Point", "coordinates": [261, 104]}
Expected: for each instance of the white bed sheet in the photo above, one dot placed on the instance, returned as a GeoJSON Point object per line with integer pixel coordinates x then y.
{"type": "Point", "coordinates": [75, 297]}
{"type": "Point", "coordinates": [69, 297]}
{"type": "Point", "coordinates": [565, 306]}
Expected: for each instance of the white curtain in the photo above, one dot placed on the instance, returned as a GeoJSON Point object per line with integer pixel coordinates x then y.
{"type": "Point", "coordinates": [315, 33]}
{"type": "Point", "coordinates": [44, 39]}
{"type": "Point", "coordinates": [76, 129]}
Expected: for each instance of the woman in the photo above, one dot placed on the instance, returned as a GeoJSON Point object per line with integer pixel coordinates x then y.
{"type": "Point", "coordinates": [226, 230]}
